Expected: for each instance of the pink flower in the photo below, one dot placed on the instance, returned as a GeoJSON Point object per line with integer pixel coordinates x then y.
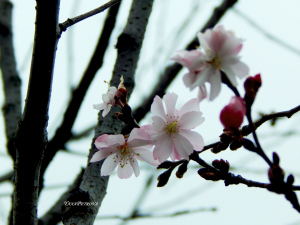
{"type": "Point", "coordinates": [108, 101]}
{"type": "Point", "coordinates": [123, 153]}
{"type": "Point", "coordinates": [186, 59]}
{"type": "Point", "coordinates": [220, 49]}
{"type": "Point", "coordinates": [233, 114]}
{"type": "Point", "coordinates": [171, 129]}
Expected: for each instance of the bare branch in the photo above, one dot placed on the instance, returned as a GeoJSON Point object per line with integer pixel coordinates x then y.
{"type": "Point", "coordinates": [129, 46]}
{"type": "Point", "coordinates": [69, 22]}
{"type": "Point", "coordinates": [31, 134]}
{"type": "Point", "coordinates": [11, 80]}
{"type": "Point", "coordinates": [63, 133]}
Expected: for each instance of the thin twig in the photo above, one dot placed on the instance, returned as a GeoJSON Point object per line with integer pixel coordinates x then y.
{"type": "Point", "coordinates": [69, 22]}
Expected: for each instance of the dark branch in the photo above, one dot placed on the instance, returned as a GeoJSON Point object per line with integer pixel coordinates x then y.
{"type": "Point", "coordinates": [10, 77]}
{"type": "Point", "coordinates": [63, 133]}
{"type": "Point", "coordinates": [129, 46]}
{"type": "Point", "coordinates": [31, 134]}
{"type": "Point", "coordinates": [69, 22]}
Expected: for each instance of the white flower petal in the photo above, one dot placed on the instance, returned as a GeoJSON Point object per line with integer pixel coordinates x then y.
{"type": "Point", "coordinates": [240, 69]}
{"type": "Point", "coordinates": [163, 150]}
{"type": "Point", "coordinates": [191, 105]}
{"type": "Point", "coordinates": [194, 138]}
{"type": "Point", "coordinates": [135, 166]}
{"type": "Point", "coordinates": [145, 155]}
{"type": "Point", "coordinates": [125, 172]}
{"type": "Point", "coordinates": [100, 106]}
{"type": "Point", "coordinates": [109, 165]}
{"type": "Point", "coordinates": [103, 153]}
{"type": "Point", "coordinates": [202, 93]}
{"type": "Point", "coordinates": [157, 108]}
{"type": "Point", "coordinates": [170, 102]}
{"type": "Point", "coordinates": [215, 81]}
{"type": "Point", "coordinates": [175, 155]}
{"type": "Point", "coordinates": [105, 98]}
{"type": "Point", "coordinates": [190, 120]}
{"type": "Point", "coordinates": [138, 137]}
{"type": "Point", "coordinates": [203, 76]}
{"type": "Point", "coordinates": [106, 110]}
{"type": "Point", "coordinates": [158, 123]}
{"type": "Point", "coordinates": [183, 146]}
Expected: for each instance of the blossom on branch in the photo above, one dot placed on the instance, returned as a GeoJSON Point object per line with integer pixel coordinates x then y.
{"type": "Point", "coordinates": [108, 101]}
{"type": "Point", "coordinates": [232, 115]}
{"type": "Point", "coordinates": [123, 153]}
{"type": "Point", "coordinates": [170, 130]}
{"type": "Point", "coordinates": [113, 97]}
{"type": "Point", "coordinates": [218, 52]}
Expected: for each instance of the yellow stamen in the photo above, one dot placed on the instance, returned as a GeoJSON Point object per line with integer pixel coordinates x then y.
{"type": "Point", "coordinates": [172, 128]}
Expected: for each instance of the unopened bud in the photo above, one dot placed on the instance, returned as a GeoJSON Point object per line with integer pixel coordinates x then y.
{"type": "Point", "coordinates": [275, 159]}
{"type": "Point", "coordinates": [235, 145]}
{"type": "Point", "coordinates": [248, 145]}
{"type": "Point", "coordinates": [251, 85]}
{"type": "Point", "coordinates": [208, 175]}
{"type": "Point", "coordinates": [221, 165]}
{"type": "Point", "coordinates": [181, 170]}
{"type": "Point", "coordinates": [290, 179]}
{"type": "Point", "coordinates": [165, 165]}
{"type": "Point", "coordinates": [232, 115]}
{"type": "Point", "coordinates": [164, 178]}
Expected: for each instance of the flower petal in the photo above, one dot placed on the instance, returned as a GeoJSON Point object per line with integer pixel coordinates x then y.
{"type": "Point", "coordinates": [202, 76]}
{"type": "Point", "coordinates": [125, 172]}
{"type": "Point", "coordinates": [109, 165]}
{"type": "Point", "coordinates": [106, 110]}
{"type": "Point", "coordinates": [191, 105]}
{"type": "Point", "coordinates": [138, 137]}
{"type": "Point", "coordinates": [215, 81]}
{"type": "Point", "coordinates": [158, 123]}
{"type": "Point", "coordinates": [103, 153]}
{"type": "Point", "coordinates": [190, 120]}
{"type": "Point", "coordinates": [157, 108]}
{"type": "Point", "coordinates": [163, 150]}
{"type": "Point", "coordinates": [182, 146]}
{"type": "Point", "coordinates": [135, 166]}
{"type": "Point", "coordinates": [170, 102]}
{"type": "Point", "coordinates": [202, 93]}
{"type": "Point", "coordinates": [175, 155]}
{"type": "Point", "coordinates": [106, 140]}
{"type": "Point", "coordinates": [194, 138]}
{"type": "Point", "coordinates": [145, 155]}
{"type": "Point", "coordinates": [100, 106]}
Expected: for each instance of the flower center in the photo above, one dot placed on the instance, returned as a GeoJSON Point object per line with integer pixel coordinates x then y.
{"type": "Point", "coordinates": [216, 62]}
{"type": "Point", "coordinates": [171, 128]}
{"type": "Point", "coordinates": [125, 152]}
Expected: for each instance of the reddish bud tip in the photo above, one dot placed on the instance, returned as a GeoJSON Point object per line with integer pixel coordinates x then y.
{"type": "Point", "coordinates": [232, 115]}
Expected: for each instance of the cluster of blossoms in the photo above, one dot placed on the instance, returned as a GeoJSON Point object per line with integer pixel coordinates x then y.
{"type": "Point", "coordinates": [171, 130]}
{"type": "Point", "coordinates": [218, 52]}
{"type": "Point", "coordinates": [170, 133]}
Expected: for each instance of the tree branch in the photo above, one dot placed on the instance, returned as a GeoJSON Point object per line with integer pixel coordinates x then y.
{"type": "Point", "coordinates": [10, 77]}
{"type": "Point", "coordinates": [31, 134]}
{"type": "Point", "coordinates": [69, 22]}
{"type": "Point", "coordinates": [129, 46]}
{"type": "Point", "coordinates": [63, 133]}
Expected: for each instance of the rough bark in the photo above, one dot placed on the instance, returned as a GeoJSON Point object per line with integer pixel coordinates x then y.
{"type": "Point", "coordinates": [129, 45]}
{"type": "Point", "coordinates": [31, 134]}
{"type": "Point", "coordinates": [10, 77]}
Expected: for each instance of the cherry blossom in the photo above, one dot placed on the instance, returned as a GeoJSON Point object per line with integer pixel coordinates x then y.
{"type": "Point", "coordinates": [108, 101]}
{"type": "Point", "coordinates": [123, 153]}
{"type": "Point", "coordinates": [170, 130]}
{"type": "Point", "coordinates": [218, 52]}
{"type": "Point", "coordinates": [232, 115]}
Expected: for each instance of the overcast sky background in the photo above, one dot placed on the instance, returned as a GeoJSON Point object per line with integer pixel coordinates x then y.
{"type": "Point", "coordinates": [172, 25]}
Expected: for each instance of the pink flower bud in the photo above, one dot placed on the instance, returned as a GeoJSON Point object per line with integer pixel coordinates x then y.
{"type": "Point", "coordinates": [233, 114]}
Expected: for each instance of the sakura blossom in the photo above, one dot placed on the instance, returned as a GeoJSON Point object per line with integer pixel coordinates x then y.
{"type": "Point", "coordinates": [123, 153]}
{"type": "Point", "coordinates": [170, 130]}
{"type": "Point", "coordinates": [232, 115]}
{"type": "Point", "coordinates": [108, 101]}
{"type": "Point", "coordinates": [218, 52]}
